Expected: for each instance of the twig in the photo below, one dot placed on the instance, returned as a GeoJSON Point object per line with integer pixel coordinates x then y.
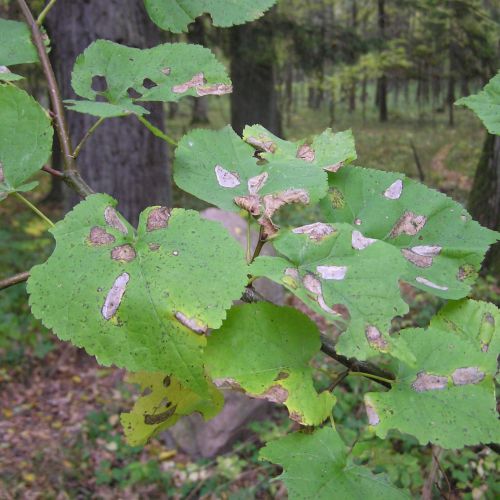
{"type": "Point", "coordinates": [44, 12]}
{"type": "Point", "coordinates": [14, 280]}
{"type": "Point", "coordinates": [71, 175]}
{"type": "Point", "coordinates": [89, 132]}
{"type": "Point", "coordinates": [52, 171]}
{"type": "Point", "coordinates": [365, 368]}
{"type": "Point", "coordinates": [431, 477]}
{"type": "Point", "coordinates": [421, 174]}
{"type": "Point", "coordinates": [32, 207]}
{"type": "Point", "coordinates": [156, 131]}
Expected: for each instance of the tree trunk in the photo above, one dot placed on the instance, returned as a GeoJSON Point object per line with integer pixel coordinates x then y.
{"type": "Point", "coordinates": [253, 54]}
{"type": "Point", "coordinates": [484, 199]}
{"type": "Point", "coordinates": [122, 158]}
{"type": "Point", "coordinates": [382, 81]}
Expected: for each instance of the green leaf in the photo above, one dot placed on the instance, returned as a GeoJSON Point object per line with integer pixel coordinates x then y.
{"type": "Point", "coordinates": [358, 288]}
{"type": "Point", "coordinates": [486, 105]}
{"type": "Point", "coordinates": [266, 350]}
{"type": "Point", "coordinates": [175, 15]}
{"type": "Point", "coordinates": [163, 403]}
{"type": "Point", "coordinates": [220, 168]}
{"type": "Point", "coordinates": [141, 300]}
{"type": "Point", "coordinates": [448, 397]}
{"type": "Point", "coordinates": [164, 73]}
{"type": "Point", "coordinates": [7, 76]}
{"type": "Point", "coordinates": [15, 44]}
{"type": "Point", "coordinates": [317, 467]}
{"type": "Point", "coordinates": [25, 138]}
{"type": "Point", "coordinates": [441, 246]}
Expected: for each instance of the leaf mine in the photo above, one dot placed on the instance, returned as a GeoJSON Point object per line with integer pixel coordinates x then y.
{"type": "Point", "coordinates": [255, 184]}
{"type": "Point", "coordinates": [158, 218]}
{"type": "Point", "coordinates": [115, 296]}
{"type": "Point", "coordinates": [431, 284]}
{"type": "Point", "coordinates": [216, 89]}
{"type": "Point", "coordinates": [275, 394]}
{"type": "Point", "coordinates": [154, 246]}
{"type": "Point", "coordinates": [373, 418]}
{"type": "Point", "coordinates": [423, 261]}
{"type": "Point", "coordinates": [375, 338]}
{"type": "Point", "coordinates": [98, 236]}
{"type": "Point", "coordinates": [313, 285]}
{"type": "Point", "coordinates": [112, 219]}
{"type": "Point", "coordinates": [393, 192]}
{"type": "Point", "coordinates": [250, 203]}
{"type": "Point", "coordinates": [465, 376]}
{"type": "Point", "coordinates": [409, 223]}
{"type": "Point", "coordinates": [191, 323]}
{"type": "Point", "coordinates": [262, 144]}
{"type": "Point", "coordinates": [427, 382]}
{"type": "Point", "coordinates": [334, 168]}
{"type": "Point", "coordinates": [198, 80]}
{"type": "Point", "coordinates": [306, 153]}
{"type": "Point", "coordinates": [332, 272]}
{"type": "Point", "coordinates": [273, 202]}
{"type": "Point", "coordinates": [158, 418]}
{"type": "Point", "coordinates": [225, 178]}
{"type": "Point", "coordinates": [360, 242]}
{"type": "Point", "coordinates": [316, 231]}
{"type": "Point", "coordinates": [124, 253]}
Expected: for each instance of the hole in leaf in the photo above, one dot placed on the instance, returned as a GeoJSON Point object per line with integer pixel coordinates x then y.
{"type": "Point", "coordinates": [148, 84]}
{"type": "Point", "coordinates": [99, 83]}
{"type": "Point", "coordinates": [133, 94]}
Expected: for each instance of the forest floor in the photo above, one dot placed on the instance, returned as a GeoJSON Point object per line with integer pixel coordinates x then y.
{"type": "Point", "coordinates": [59, 411]}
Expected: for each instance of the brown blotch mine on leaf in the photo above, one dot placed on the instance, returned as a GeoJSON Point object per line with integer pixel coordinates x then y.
{"type": "Point", "coordinates": [409, 223]}
{"type": "Point", "coordinates": [373, 418]}
{"type": "Point", "coordinates": [269, 228]}
{"type": "Point", "coordinates": [112, 220]}
{"type": "Point", "coordinates": [316, 231]}
{"type": "Point", "coordinates": [375, 338]}
{"type": "Point", "coordinates": [465, 376]}
{"type": "Point", "coordinates": [306, 153]}
{"type": "Point", "coordinates": [419, 260]}
{"type": "Point", "coordinates": [115, 296]}
{"type": "Point", "coordinates": [273, 202]}
{"type": "Point", "coordinates": [225, 178]}
{"type": "Point", "coordinates": [125, 253]}
{"type": "Point", "coordinates": [427, 382]}
{"type": "Point", "coordinates": [360, 242]}
{"type": "Point", "coordinates": [263, 144]}
{"type": "Point", "coordinates": [256, 183]}
{"type": "Point", "coordinates": [250, 203]}
{"type": "Point", "coordinates": [227, 383]}
{"type": "Point", "coordinates": [192, 323]}
{"type": "Point", "coordinates": [215, 89]}
{"type": "Point", "coordinates": [154, 246]}
{"type": "Point", "coordinates": [166, 71]}
{"type": "Point", "coordinates": [332, 272]}
{"type": "Point", "coordinates": [198, 80]}
{"type": "Point", "coordinates": [334, 168]}
{"type": "Point", "coordinates": [281, 376]}
{"type": "Point", "coordinates": [98, 236]}
{"type": "Point", "coordinates": [393, 192]}
{"type": "Point", "coordinates": [430, 284]}
{"type": "Point", "coordinates": [158, 218]}
{"type": "Point", "coordinates": [275, 394]}
{"type": "Point", "coordinates": [159, 417]}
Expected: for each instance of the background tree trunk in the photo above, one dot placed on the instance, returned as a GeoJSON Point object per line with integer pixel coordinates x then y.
{"type": "Point", "coordinates": [122, 158]}
{"type": "Point", "coordinates": [382, 81]}
{"type": "Point", "coordinates": [254, 98]}
{"type": "Point", "coordinates": [484, 199]}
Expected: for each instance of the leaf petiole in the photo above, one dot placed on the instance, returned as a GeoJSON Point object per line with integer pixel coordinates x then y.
{"type": "Point", "coordinates": [32, 207]}
{"type": "Point", "coordinates": [87, 135]}
{"type": "Point", "coordinates": [156, 131]}
{"type": "Point", "coordinates": [44, 12]}
{"type": "Point", "coordinates": [374, 377]}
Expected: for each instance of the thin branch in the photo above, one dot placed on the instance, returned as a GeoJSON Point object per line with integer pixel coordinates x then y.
{"type": "Point", "coordinates": [365, 368]}
{"type": "Point", "coordinates": [156, 131]}
{"type": "Point", "coordinates": [14, 280]}
{"type": "Point", "coordinates": [432, 476]}
{"type": "Point", "coordinates": [32, 207]}
{"type": "Point", "coordinates": [71, 176]}
{"type": "Point", "coordinates": [44, 12]}
{"type": "Point", "coordinates": [52, 171]}
{"type": "Point", "coordinates": [87, 135]}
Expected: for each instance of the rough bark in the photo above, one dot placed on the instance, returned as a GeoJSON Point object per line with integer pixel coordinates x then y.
{"type": "Point", "coordinates": [484, 199]}
{"type": "Point", "coordinates": [253, 54]}
{"type": "Point", "coordinates": [122, 158]}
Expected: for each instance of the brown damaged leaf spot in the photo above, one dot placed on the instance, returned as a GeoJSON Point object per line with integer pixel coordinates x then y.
{"type": "Point", "coordinates": [159, 417]}
{"type": "Point", "coordinates": [375, 338]}
{"type": "Point", "coordinates": [409, 223]}
{"type": "Point", "coordinates": [113, 220]}
{"type": "Point", "coordinates": [316, 231]}
{"type": "Point", "coordinates": [98, 236]}
{"type": "Point", "coordinates": [198, 80]}
{"type": "Point", "coordinates": [421, 256]}
{"type": "Point", "coordinates": [427, 382]}
{"type": "Point", "coordinates": [296, 417]}
{"type": "Point", "coordinates": [255, 184]}
{"type": "Point", "coordinates": [334, 168]}
{"type": "Point", "coordinates": [465, 271]}
{"type": "Point", "coordinates": [215, 89]}
{"type": "Point", "coordinates": [166, 71]}
{"type": "Point", "coordinates": [281, 376]}
{"type": "Point", "coordinates": [158, 218]}
{"type": "Point", "coordinates": [273, 202]}
{"type": "Point", "coordinates": [115, 296]}
{"type": "Point", "coordinates": [373, 418]}
{"type": "Point", "coordinates": [262, 143]}
{"type": "Point", "coordinates": [228, 383]}
{"type": "Point", "coordinates": [269, 228]}
{"type": "Point", "coordinates": [154, 246]}
{"type": "Point", "coordinates": [250, 203]}
{"type": "Point", "coordinates": [466, 376]}
{"type": "Point", "coordinates": [123, 253]}
{"type": "Point", "coordinates": [393, 192]}
{"type": "Point", "coordinates": [313, 285]}
{"type": "Point", "coordinates": [306, 153]}
{"type": "Point", "coordinates": [275, 394]}
{"type": "Point", "coordinates": [357, 222]}
{"type": "Point", "coordinates": [332, 272]}
{"type": "Point", "coordinates": [193, 324]}
{"type": "Point", "coordinates": [225, 178]}
{"type": "Point", "coordinates": [360, 242]}
{"type": "Point", "coordinates": [430, 284]}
